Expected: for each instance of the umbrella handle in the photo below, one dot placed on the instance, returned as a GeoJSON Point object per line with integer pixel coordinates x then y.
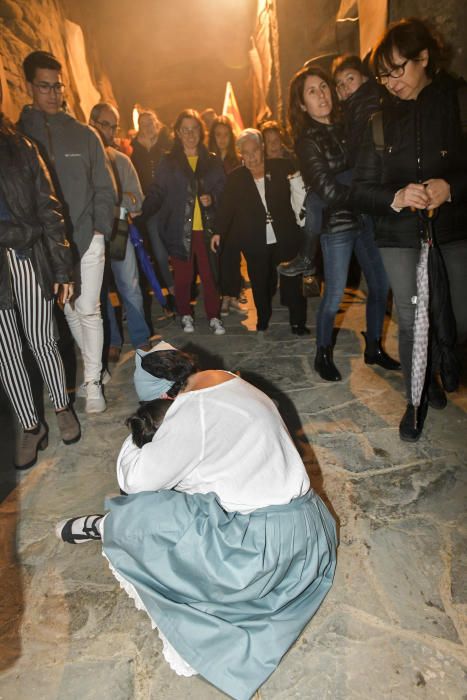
{"type": "Point", "coordinates": [427, 217]}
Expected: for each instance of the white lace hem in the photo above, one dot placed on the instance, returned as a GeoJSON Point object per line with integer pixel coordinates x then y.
{"type": "Point", "coordinates": [172, 656]}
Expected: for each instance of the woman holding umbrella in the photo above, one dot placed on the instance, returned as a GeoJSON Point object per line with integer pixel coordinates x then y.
{"type": "Point", "coordinates": [418, 168]}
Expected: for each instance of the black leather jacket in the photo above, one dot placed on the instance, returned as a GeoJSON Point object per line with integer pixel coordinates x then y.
{"type": "Point", "coordinates": [357, 110]}
{"type": "Point", "coordinates": [322, 154]}
{"type": "Point", "coordinates": [37, 227]}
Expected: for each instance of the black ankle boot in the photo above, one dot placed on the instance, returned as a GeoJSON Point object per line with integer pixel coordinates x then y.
{"type": "Point", "coordinates": [375, 355]}
{"type": "Point", "coordinates": [411, 425]}
{"type": "Point", "coordinates": [300, 329]}
{"type": "Point", "coordinates": [436, 396]}
{"type": "Point", "coordinates": [325, 366]}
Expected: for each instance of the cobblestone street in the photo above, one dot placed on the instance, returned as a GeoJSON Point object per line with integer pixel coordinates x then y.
{"type": "Point", "coordinates": [394, 624]}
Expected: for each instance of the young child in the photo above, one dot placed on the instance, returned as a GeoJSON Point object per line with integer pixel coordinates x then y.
{"type": "Point", "coordinates": [360, 96]}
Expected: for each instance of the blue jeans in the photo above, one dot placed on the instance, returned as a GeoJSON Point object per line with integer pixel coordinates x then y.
{"type": "Point", "coordinates": [337, 250]}
{"type": "Point", "coordinates": [126, 278]}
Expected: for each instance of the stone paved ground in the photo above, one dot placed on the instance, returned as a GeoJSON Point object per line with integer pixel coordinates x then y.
{"type": "Point", "coordinates": [394, 625]}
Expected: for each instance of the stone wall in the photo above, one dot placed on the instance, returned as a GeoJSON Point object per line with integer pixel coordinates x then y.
{"type": "Point", "coordinates": [450, 18]}
{"type": "Point", "coordinates": [39, 24]}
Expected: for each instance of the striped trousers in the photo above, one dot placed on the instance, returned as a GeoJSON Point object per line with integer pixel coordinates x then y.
{"type": "Point", "coordinates": [35, 314]}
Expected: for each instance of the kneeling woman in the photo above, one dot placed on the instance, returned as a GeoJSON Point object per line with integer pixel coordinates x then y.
{"type": "Point", "coordinates": [228, 550]}
{"type": "Point", "coordinates": [256, 214]}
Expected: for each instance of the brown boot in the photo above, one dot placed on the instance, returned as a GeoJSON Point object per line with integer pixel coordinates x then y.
{"type": "Point", "coordinates": [113, 354]}
{"type": "Point", "coordinates": [28, 445]}
{"type": "Point", "coordinates": [68, 426]}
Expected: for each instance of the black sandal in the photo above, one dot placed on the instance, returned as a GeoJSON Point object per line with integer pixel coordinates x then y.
{"type": "Point", "coordinates": [89, 530]}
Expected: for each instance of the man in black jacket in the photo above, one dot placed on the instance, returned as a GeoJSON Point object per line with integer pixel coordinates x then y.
{"type": "Point", "coordinates": [35, 265]}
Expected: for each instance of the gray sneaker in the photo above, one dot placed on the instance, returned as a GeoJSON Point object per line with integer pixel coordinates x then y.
{"type": "Point", "coordinates": [188, 324]}
{"type": "Point", "coordinates": [28, 445]}
{"type": "Point", "coordinates": [68, 426]}
{"type": "Point", "coordinates": [217, 327]}
{"type": "Point", "coordinates": [95, 402]}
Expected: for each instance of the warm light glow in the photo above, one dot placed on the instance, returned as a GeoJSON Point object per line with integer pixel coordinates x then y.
{"type": "Point", "coordinates": [135, 118]}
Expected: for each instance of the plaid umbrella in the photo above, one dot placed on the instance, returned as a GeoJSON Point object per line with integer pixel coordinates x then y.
{"type": "Point", "coordinates": [421, 326]}
{"type": "Point", "coordinates": [443, 322]}
{"type": "Point", "coordinates": [146, 264]}
{"type": "Point", "coordinates": [433, 313]}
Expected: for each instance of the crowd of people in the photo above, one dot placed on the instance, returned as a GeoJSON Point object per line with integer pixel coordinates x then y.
{"type": "Point", "coordinates": [241, 552]}
{"type": "Point", "coordinates": [375, 150]}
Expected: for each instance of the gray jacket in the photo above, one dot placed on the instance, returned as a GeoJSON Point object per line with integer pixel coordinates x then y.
{"type": "Point", "coordinates": [128, 185]}
{"type": "Point", "coordinates": [80, 171]}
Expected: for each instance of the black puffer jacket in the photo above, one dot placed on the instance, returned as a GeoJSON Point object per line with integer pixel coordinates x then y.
{"type": "Point", "coordinates": [36, 222]}
{"type": "Point", "coordinates": [357, 110]}
{"type": "Point", "coordinates": [423, 139]}
{"type": "Point", "coordinates": [173, 194]}
{"type": "Point", "coordinates": [322, 155]}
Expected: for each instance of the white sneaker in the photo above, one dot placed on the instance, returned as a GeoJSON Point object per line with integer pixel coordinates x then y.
{"type": "Point", "coordinates": [95, 402]}
{"type": "Point", "coordinates": [188, 324]}
{"type": "Point", "coordinates": [217, 327]}
{"type": "Point", "coordinates": [81, 392]}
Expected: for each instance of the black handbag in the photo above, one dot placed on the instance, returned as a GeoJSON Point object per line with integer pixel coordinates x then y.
{"type": "Point", "coordinates": [119, 239]}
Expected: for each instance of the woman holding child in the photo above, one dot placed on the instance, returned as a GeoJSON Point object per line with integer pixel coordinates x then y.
{"type": "Point", "coordinates": [227, 549]}
{"type": "Point", "coordinates": [321, 149]}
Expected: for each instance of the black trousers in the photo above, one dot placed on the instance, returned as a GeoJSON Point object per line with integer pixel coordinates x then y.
{"type": "Point", "coordinates": [229, 269]}
{"type": "Point", "coordinates": [262, 272]}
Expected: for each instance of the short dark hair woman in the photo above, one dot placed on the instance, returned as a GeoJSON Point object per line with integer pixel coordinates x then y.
{"type": "Point", "coordinates": [321, 148]}
{"type": "Point", "coordinates": [221, 540]}
{"type": "Point", "coordinates": [187, 184]}
{"type": "Point", "coordinates": [420, 166]}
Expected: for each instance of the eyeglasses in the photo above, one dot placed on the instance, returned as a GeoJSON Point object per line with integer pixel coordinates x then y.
{"type": "Point", "coordinates": [107, 125]}
{"type": "Point", "coordinates": [46, 88]}
{"type": "Point", "coordinates": [396, 72]}
{"type": "Point", "coordinates": [187, 131]}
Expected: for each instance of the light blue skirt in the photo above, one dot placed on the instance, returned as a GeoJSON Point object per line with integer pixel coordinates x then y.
{"type": "Point", "coordinates": [230, 592]}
